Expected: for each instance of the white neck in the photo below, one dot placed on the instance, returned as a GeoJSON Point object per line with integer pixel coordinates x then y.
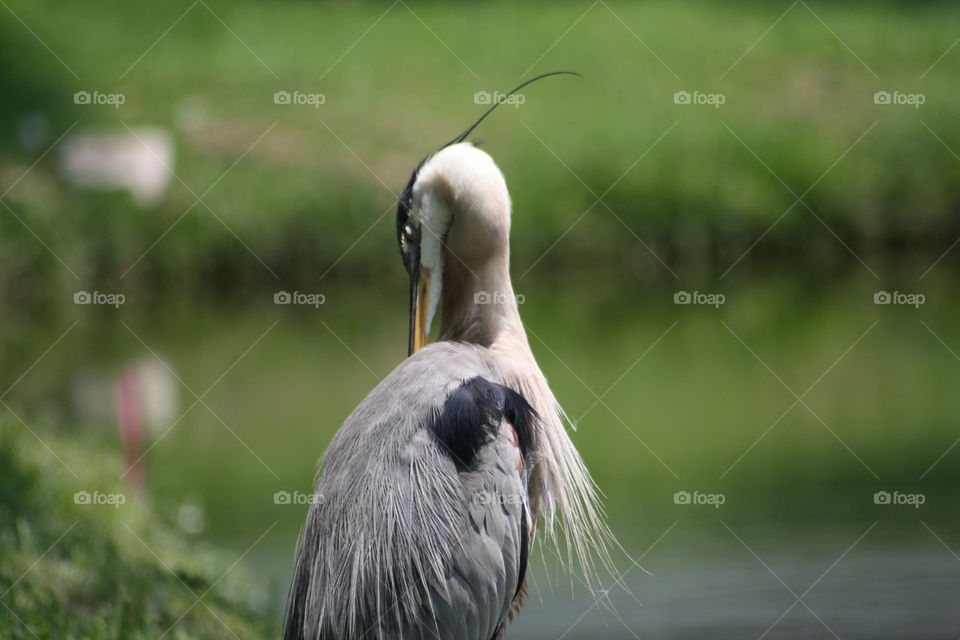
{"type": "Point", "coordinates": [462, 199]}
{"type": "Point", "coordinates": [479, 305]}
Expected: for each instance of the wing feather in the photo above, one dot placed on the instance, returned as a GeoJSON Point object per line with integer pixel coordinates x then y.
{"type": "Point", "coordinates": [419, 524]}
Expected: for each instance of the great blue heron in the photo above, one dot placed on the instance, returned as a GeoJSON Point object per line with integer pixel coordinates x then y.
{"type": "Point", "coordinates": [429, 495]}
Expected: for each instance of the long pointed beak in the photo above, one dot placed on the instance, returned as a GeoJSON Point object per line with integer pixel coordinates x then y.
{"type": "Point", "coordinates": [419, 303]}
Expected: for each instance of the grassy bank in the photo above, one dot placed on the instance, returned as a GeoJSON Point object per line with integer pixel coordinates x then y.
{"type": "Point", "coordinates": [84, 557]}
{"type": "Point", "coordinates": [799, 96]}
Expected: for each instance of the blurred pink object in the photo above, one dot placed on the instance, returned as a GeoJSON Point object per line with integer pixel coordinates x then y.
{"type": "Point", "coordinates": [146, 401]}
{"type": "Point", "coordinates": [130, 424]}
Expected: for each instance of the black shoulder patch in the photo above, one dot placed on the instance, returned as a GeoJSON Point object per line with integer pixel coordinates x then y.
{"type": "Point", "coordinates": [521, 415]}
{"type": "Point", "coordinates": [471, 414]}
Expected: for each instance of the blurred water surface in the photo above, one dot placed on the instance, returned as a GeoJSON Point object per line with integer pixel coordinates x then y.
{"type": "Point", "coordinates": [670, 399]}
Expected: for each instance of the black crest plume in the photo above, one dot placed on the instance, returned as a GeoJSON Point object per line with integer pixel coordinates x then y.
{"type": "Point", "coordinates": [469, 130]}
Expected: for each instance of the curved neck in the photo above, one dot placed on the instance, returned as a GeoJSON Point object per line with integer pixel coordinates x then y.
{"type": "Point", "coordinates": [462, 200]}
{"type": "Point", "coordinates": [479, 305]}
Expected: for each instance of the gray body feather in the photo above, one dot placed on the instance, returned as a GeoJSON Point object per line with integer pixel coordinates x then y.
{"type": "Point", "coordinates": [398, 542]}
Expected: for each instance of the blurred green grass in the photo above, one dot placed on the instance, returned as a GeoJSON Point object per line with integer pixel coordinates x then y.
{"type": "Point", "coordinates": [84, 570]}
{"type": "Point", "coordinates": [799, 99]}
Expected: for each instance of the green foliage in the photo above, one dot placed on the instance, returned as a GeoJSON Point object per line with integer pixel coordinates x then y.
{"type": "Point", "coordinates": [83, 570]}
{"type": "Point", "coordinates": [306, 191]}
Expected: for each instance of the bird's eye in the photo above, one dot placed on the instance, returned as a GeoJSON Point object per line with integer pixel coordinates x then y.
{"type": "Point", "coordinates": [411, 232]}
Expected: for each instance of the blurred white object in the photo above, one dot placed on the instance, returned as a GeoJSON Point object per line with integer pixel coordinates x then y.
{"type": "Point", "coordinates": [158, 394]}
{"type": "Point", "coordinates": [155, 398]}
{"type": "Point", "coordinates": [140, 161]}
{"type": "Point", "coordinates": [190, 516]}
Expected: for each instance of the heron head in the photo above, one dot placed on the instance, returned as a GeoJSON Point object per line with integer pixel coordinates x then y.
{"type": "Point", "coordinates": [456, 206]}
{"type": "Point", "coordinates": [454, 209]}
